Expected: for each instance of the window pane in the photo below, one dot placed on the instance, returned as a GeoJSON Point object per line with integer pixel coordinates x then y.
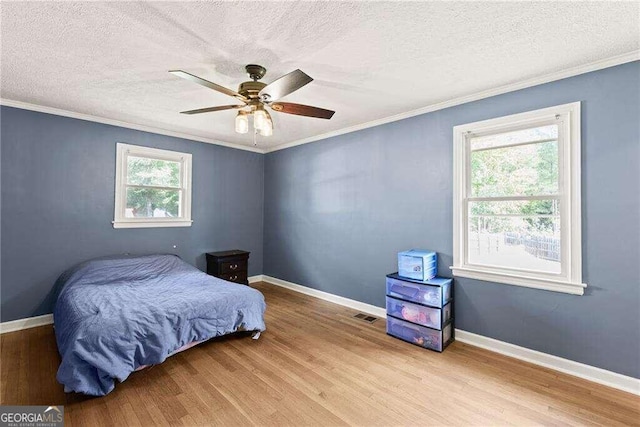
{"type": "Point", "coordinates": [523, 170]}
{"type": "Point", "coordinates": [515, 234]}
{"type": "Point", "coordinates": [516, 137]}
{"type": "Point", "coordinates": [152, 203]}
{"type": "Point", "coordinates": [159, 173]}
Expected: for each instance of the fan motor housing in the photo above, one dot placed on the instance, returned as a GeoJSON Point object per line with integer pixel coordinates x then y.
{"type": "Point", "coordinates": [250, 89]}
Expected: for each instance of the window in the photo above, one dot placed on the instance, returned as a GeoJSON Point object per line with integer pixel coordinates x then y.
{"type": "Point", "coordinates": [516, 206]}
{"type": "Point", "coordinates": [153, 188]}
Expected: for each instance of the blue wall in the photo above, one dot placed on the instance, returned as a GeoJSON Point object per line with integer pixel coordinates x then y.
{"type": "Point", "coordinates": [337, 212]}
{"type": "Point", "coordinates": [57, 203]}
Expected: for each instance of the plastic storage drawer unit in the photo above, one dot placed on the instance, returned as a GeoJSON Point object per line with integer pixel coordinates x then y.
{"type": "Point", "coordinates": [426, 316]}
{"type": "Point", "coordinates": [435, 292]}
{"type": "Point", "coordinates": [432, 339]}
{"type": "Point", "coordinates": [417, 264]}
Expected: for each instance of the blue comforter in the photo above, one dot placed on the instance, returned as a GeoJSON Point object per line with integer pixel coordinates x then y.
{"type": "Point", "coordinates": [117, 314]}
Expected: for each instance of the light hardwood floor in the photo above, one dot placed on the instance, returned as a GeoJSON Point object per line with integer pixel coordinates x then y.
{"type": "Point", "coordinates": [317, 365]}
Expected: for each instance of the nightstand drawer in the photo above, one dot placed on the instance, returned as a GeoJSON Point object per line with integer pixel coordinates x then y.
{"type": "Point", "coordinates": [229, 265]}
{"type": "Point", "coordinates": [239, 277]}
{"type": "Point", "coordinates": [233, 266]}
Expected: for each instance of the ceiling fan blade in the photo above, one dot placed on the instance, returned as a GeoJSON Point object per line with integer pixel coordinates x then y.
{"type": "Point", "coordinates": [285, 85]}
{"type": "Point", "coordinates": [302, 110]}
{"type": "Point", "coordinates": [207, 83]}
{"type": "Point", "coordinates": [211, 109]}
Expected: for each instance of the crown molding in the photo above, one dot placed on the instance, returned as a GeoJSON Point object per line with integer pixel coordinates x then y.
{"type": "Point", "coordinates": [546, 78]}
{"type": "Point", "coordinates": [112, 122]}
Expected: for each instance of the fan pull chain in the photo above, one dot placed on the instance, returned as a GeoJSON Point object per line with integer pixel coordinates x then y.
{"type": "Point", "coordinates": [255, 132]}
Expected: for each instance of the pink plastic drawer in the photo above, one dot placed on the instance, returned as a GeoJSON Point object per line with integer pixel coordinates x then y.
{"type": "Point", "coordinates": [427, 316]}
{"type": "Point", "coordinates": [432, 339]}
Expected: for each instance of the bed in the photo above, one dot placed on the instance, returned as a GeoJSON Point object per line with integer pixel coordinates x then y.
{"type": "Point", "coordinates": [114, 316]}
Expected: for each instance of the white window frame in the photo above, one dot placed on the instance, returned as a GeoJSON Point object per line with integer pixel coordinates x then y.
{"type": "Point", "coordinates": [567, 117]}
{"type": "Point", "coordinates": [125, 150]}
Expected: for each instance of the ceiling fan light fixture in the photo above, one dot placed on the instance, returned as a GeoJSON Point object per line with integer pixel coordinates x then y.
{"type": "Point", "coordinates": [260, 120]}
{"type": "Point", "coordinates": [267, 130]}
{"type": "Point", "coordinates": [242, 122]}
{"type": "Point", "coordinates": [255, 95]}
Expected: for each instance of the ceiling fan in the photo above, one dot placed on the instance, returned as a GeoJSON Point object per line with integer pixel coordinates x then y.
{"type": "Point", "coordinates": [255, 95]}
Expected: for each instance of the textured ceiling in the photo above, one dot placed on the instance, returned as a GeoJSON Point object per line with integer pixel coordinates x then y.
{"type": "Point", "coordinates": [369, 60]}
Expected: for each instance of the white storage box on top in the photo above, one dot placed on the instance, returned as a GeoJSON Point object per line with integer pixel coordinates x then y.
{"type": "Point", "coordinates": [418, 264]}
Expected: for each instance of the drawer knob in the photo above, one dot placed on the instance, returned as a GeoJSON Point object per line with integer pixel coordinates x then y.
{"type": "Point", "coordinates": [233, 266]}
{"type": "Point", "coordinates": [234, 278]}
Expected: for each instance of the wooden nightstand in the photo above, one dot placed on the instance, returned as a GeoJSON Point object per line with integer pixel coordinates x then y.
{"type": "Point", "coordinates": [229, 265]}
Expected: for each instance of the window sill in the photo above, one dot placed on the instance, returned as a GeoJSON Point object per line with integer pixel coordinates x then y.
{"type": "Point", "coordinates": [151, 224]}
{"type": "Point", "coordinates": [520, 280]}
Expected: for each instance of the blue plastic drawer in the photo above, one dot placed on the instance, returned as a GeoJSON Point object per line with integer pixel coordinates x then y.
{"type": "Point", "coordinates": [432, 339]}
{"type": "Point", "coordinates": [426, 316]}
{"type": "Point", "coordinates": [417, 264]}
{"type": "Point", "coordinates": [436, 292]}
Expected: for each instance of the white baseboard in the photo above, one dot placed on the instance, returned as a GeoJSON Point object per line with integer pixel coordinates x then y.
{"type": "Point", "coordinates": [587, 372]}
{"type": "Point", "coordinates": [256, 278]}
{"type": "Point", "coordinates": [29, 322]}
{"type": "Point", "coordinates": [577, 369]}
{"type": "Point", "coordinates": [356, 305]}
